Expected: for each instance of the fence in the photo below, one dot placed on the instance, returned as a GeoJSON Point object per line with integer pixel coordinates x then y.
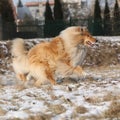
{"type": "Point", "coordinates": [52, 28]}
{"type": "Point", "coordinates": [0, 27]}
{"type": "Point", "coordinates": [30, 31]}
{"type": "Point", "coordinates": [8, 30]}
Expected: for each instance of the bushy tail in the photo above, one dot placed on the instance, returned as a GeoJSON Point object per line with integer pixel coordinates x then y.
{"type": "Point", "coordinates": [18, 48]}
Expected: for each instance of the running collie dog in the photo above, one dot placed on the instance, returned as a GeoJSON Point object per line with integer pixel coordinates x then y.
{"type": "Point", "coordinates": [48, 61]}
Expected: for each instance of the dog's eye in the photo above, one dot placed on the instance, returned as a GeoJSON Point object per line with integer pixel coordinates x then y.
{"type": "Point", "coordinates": [82, 29]}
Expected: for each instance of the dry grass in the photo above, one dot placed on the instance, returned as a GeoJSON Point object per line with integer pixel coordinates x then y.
{"type": "Point", "coordinates": [40, 117]}
{"type": "Point", "coordinates": [113, 111]}
{"type": "Point", "coordinates": [78, 110]}
{"type": "Point", "coordinates": [81, 109]}
{"type": "Point", "coordinates": [57, 109]}
{"type": "Point", "coordinates": [90, 80]}
{"type": "Point", "coordinates": [93, 99]}
{"type": "Point", "coordinates": [111, 97]}
{"type": "Point", "coordinates": [2, 112]}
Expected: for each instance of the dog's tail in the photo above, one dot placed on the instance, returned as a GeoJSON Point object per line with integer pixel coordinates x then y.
{"type": "Point", "coordinates": [18, 48]}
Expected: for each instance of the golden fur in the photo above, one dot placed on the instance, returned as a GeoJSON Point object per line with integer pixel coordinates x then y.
{"type": "Point", "coordinates": [48, 61]}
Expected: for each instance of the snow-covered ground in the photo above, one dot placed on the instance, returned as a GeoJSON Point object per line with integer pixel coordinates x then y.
{"type": "Point", "coordinates": [96, 97]}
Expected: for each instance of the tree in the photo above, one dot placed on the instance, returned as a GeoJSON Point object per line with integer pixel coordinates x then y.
{"type": "Point", "coordinates": [48, 12]}
{"type": "Point", "coordinates": [48, 21]}
{"type": "Point", "coordinates": [6, 11]}
{"type": "Point", "coordinates": [19, 4]}
{"type": "Point", "coordinates": [97, 25]}
{"type": "Point", "coordinates": [116, 19]}
{"type": "Point", "coordinates": [8, 19]}
{"type": "Point", "coordinates": [107, 20]}
{"type": "Point", "coordinates": [58, 13]}
{"type": "Point", "coordinates": [28, 20]}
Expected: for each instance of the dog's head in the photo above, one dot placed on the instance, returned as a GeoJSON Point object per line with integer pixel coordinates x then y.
{"type": "Point", "coordinates": [78, 35]}
{"type": "Point", "coordinates": [85, 37]}
{"type": "Point", "coordinates": [88, 39]}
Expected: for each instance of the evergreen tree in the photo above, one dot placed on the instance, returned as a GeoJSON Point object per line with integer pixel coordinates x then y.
{"type": "Point", "coordinates": [6, 11]}
{"type": "Point", "coordinates": [97, 25]}
{"type": "Point", "coordinates": [116, 19]}
{"type": "Point", "coordinates": [107, 20]}
{"type": "Point", "coordinates": [53, 26]}
{"type": "Point", "coordinates": [8, 20]}
{"type": "Point", "coordinates": [48, 21]}
{"type": "Point", "coordinates": [58, 13]}
{"type": "Point", "coordinates": [48, 12]}
{"type": "Point", "coordinates": [19, 4]}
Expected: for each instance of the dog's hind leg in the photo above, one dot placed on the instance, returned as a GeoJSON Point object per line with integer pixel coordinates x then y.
{"type": "Point", "coordinates": [42, 74]}
{"type": "Point", "coordinates": [46, 76]}
{"type": "Point", "coordinates": [49, 75]}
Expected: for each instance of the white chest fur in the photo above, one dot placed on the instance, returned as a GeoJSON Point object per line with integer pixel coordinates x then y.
{"type": "Point", "coordinates": [79, 55]}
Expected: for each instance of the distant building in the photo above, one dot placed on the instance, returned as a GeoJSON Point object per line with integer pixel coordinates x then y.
{"type": "Point", "coordinates": [37, 9]}
{"type": "Point", "coordinates": [22, 12]}
{"type": "Point", "coordinates": [72, 1]}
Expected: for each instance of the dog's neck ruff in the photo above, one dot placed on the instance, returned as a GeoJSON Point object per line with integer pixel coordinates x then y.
{"type": "Point", "coordinates": [83, 53]}
{"type": "Point", "coordinates": [82, 47]}
{"type": "Point", "coordinates": [13, 56]}
{"type": "Point", "coordinates": [62, 44]}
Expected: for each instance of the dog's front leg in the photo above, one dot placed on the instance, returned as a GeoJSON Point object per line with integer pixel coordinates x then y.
{"type": "Point", "coordinates": [21, 77]}
{"type": "Point", "coordinates": [50, 77]}
{"type": "Point", "coordinates": [79, 71]}
{"type": "Point", "coordinates": [66, 70]}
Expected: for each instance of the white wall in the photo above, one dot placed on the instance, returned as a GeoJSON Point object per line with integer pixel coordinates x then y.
{"type": "Point", "coordinates": [72, 1]}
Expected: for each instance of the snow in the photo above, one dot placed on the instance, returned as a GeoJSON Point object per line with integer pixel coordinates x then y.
{"type": "Point", "coordinates": [20, 115]}
{"type": "Point", "coordinates": [95, 92]}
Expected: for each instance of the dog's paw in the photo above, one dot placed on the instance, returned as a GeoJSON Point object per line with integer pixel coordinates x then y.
{"type": "Point", "coordinates": [54, 83]}
{"type": "Point", "coordinates": [84, 74]}
{"type": "Point", "coordinates": [28, 77]}
{"type": "Point", "coordinates": [38, 84]}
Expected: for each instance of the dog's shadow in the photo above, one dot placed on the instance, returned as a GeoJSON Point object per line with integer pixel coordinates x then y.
{"type": "Point", "coordinates": [65, 81]}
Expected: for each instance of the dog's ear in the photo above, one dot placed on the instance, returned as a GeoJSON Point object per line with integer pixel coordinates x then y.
{"type": "Point", "coordinates": [80, 30]}
{"type": "Point", "coordinates": [84, 29]}
{"type": "Point", "coordinates": [77, 29]}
